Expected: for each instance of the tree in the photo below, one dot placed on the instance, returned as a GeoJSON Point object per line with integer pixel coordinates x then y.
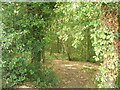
{"type": "Point", "coordinates": [29, 21]}
{"type": "Point", "coordinates": [76, 18]}
{"type": "Point", "coordinates": [25, 26]}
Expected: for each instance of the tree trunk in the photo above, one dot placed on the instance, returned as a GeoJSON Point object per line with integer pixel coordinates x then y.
{"type": "Point", "coordinates": [51, 49]}
{"type": "Point", "coordinates": [87, 46]}
{"type": "Point", "coordinates": [69, 58]}
{"type": "Point", "coordinates": [58, 45]}
{"type": "Point", "coordinates": [35, 56]}
{"type": "Point", "coordinates": [67, 50]}
{"type": "Point", "coordinates": [43, 54]}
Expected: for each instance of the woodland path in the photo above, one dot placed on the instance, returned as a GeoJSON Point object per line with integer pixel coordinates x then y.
{"type": "Point", "coordinates": [75, 74]}
{"type": "Point", "coordinates": [72, 74]}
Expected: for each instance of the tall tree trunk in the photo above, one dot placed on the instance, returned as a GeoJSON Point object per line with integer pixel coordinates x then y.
{"type": "Point", "coordinates": [36, 53]}
{"type": "Point", "coordinates": [62, 48]}
{"type": "Point", "coordinates": [51, 49]}
{"type": "Point", "coordinates": [36, 34]}
{"type": "Point", "coordinates": [69, 58]}
{"type": "Point", "coordinates": [43, 54]}
{"type": "Point", "coordinates": [87, 45]}
{"type": "Point", "coordinates": [119, 48]}
{"type": "Point", "coordinates": [35, 56]}
{"type": "Point", "coordinates": [67, 50]}
{"type": "Point", "coordinates": [58, 45]}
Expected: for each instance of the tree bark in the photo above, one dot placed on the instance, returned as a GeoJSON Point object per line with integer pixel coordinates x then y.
{"type": "Point", "coordinates": [43, 54]}
{"type": "Point", "coordinates": [35, 56]}
{"type": "Point", "coordinates": [87, 46]}
{"type": "Point", "coordinates": [58, 45]}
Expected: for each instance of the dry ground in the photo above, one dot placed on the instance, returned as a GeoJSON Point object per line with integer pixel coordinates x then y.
{"type": "Point", "coordinates": [72, 74]}
{"type": "Point", "coordinates": [75, 74]}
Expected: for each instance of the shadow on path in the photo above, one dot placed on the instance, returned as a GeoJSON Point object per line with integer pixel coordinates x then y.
{"type": "Point", "coordinates": [75, 74]}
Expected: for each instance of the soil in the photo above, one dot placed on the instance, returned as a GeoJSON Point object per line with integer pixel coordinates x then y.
{"type": "Point", "coordinates": [72, 74]}
{"type": "Point", "coordinates": [75, 74]}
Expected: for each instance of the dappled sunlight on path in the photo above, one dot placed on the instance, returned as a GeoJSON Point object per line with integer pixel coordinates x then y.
{"type": "Point", "coordinates": [72, 74]}
{"type": "Point", "coordinates": [75, 74]}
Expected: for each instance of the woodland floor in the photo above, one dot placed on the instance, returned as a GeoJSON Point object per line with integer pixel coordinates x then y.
{"type": "Point", "coordinates": [73, 74]}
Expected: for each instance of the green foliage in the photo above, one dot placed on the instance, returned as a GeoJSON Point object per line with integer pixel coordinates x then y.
{"type": "Point", "coordinates": [27, 24]}
{"type": "Point", "coordinates": [117, 83]}
{"type": "Point", "coordinates": [75, 19]}
{"type": "Point", "coordinates": [34, 27]}
{"type": "Point", "coordinates": [14, 71]}
{"type": "Point", "coordinates": [19, 70]}
{"type": "Point", "coordinates": [42, 75]}
{"type": "Point", "coordinates": [74, 27]}
{"type": "Point", "coordinates": [90, 70]}
{"type": "Point", "coordinates": [23, 39]}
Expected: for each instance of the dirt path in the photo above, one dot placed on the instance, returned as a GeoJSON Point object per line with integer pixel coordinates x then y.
{"type": "Point", "coordinates": [72, 74]}
{"type": "Point", "coordinates": [75, 74]}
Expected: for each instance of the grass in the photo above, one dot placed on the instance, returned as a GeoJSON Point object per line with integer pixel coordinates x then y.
{"type": "Point", "coordinates": [90, 70]}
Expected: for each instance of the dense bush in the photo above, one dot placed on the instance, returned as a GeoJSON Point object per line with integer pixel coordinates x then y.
{"type": "Point", "coordinates": [41, 75]}
{"type": "Point", "coordinates": [14, 71]}
{"type": "Point", "coordinates": [25, 35]}
{"type": "Point", "coordinates": [19, 70]}
{"type": "Point", "coordinates": [79, 29]}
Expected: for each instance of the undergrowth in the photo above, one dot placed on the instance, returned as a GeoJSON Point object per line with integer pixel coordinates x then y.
{"type": "Point", "coordinates": [17, 70]}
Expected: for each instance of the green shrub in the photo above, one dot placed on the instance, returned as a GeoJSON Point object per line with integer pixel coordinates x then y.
{"type": "Point", "coordinates": [18, 70]}
{"type": "Point", "coordinates": [41, 75]}
{"type": "Point", "coordinates": [14, 71]}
